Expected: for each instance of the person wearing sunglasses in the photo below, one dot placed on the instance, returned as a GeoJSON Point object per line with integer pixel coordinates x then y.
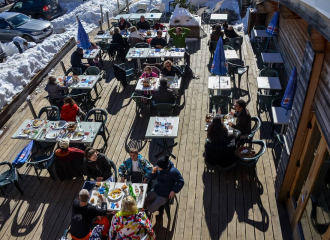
{"type": "Point", "coordinates": [123, 24]}
{"type": "Point", "coordinates": [170, 70]}
{"type": "Point", "coordinates": [158, 41]}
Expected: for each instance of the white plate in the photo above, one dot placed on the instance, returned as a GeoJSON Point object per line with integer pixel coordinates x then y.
{"type": "Point", "coordinates": [95, 197]}
{"type": "Point", "coordinates": [118, 196]}
{"type": "Point", "coordinates": [60, 125]}
{"type": "Point", "coordinates": [36, 126]}
{"type": "Point", "coordinates": [52, 135]}
{"type": "Point", "coordinates": [135, 192]}
{"type": "Point", "coordinates": [77, 138]}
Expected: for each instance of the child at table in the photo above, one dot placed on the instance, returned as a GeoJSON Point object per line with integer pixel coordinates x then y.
{"type": "Point", "coordinates": [148, 73]}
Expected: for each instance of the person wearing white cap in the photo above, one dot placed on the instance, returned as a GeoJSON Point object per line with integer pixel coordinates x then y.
{"type": "Point", "coordinates": [68, 160]}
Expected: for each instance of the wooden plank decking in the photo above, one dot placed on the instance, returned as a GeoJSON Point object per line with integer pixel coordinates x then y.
{"type": "Point", "coordinates": [239, 204]}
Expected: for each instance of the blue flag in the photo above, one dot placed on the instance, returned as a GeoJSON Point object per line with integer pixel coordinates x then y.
{"type": "Point", "coordinates": [23, 155]}
{"type": "Point", "coordinates": [290, 90]}
{"type": "Point", "coordinates": [82, 38]}
{"type": "Point", "coordinates": [272, 28]}
{"type": "Point", "coordinates": [219, 60]}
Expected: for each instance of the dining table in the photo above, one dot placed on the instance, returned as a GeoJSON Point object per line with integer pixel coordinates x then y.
{"type": "Point", "coordinates": [91, 54]}
{"type": "Point", "coordinates": [231, 55]}
{"type": "Point", "coordinates": [268, 84]}
{"type": "Point", "coordinates": [219, 83]}
{"type": "Point", "coordinates": [281, 116]}
{"type": "Point", "coordinates": [114, 203]}
{"type": "Point", "coordinates": [138, 54]}
{"type": "Point", "coordinates": [86, 82]}
{"type": "Point", "coordinates": [271, 58]}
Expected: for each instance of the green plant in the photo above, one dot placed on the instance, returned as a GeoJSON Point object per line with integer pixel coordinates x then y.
{"type": "Point", "coordinates": [183, 4]}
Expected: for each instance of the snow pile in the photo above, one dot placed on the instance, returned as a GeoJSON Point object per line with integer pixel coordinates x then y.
{"type": "Point", "coordinates": [182, 17]}
{"type": "Point", "coordinates": [18, 69]}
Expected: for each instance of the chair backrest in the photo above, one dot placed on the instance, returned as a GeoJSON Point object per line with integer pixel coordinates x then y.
{"type": "Point", "coordinates": [164, 109]}
{"type": "Point", "coordinates": [92, 70]}
{"type": "Point", "coordinates": [270, 51]}
{"type": "Point", "coordinates": [256, 125]}
{"type": "Point", "coordinates": [140, 100]}
{"type": "Point", "coordinates": [98, 114]}
{"type": "Point", "coordinates": [113, 165]}
{"type": "Point", "coordinates": [74, 71]}
{"type": "Point", "coordinates": [227, 47]}
{"type": "Point", "coordinates": [251, 161]}
{"type": "Point", "coordinates": [154, 10]}
{"type": "Point", "coordinates": [142, 45]}
{"type": "Point", "coordinates": [217, 6]}
{"type": "Point", "coordinates": [114, 24]}
{"type": "Point", "coordinates": [155, 70]}
{"type": "Point", "coordinates": [264, 101]}
{"type": "Point", "coordinates": [160, 7]}
{"type": "Point", "coordinates": [119, 72]}
{"type": "Point", "coordinates": [268, 72]}
{"type": "Point", "coordinates": [259, 27]}
{"type": "Point", "coordinates": [180, 68]}
{"type": "Point", "coordinates": [141, 11]}
{"type": "Point", "coordinates": [276, 102]}
{"type": "Point", "coordinates": [221, 101]}
{"type": "Point", "coordinates": [142, 6]}
{"type": "Point", "coordinates": [52, 112]}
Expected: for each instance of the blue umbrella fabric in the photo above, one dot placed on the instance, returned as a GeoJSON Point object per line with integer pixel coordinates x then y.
{"type": "Point", "coordinates": [272, 28]}
{"type": "Point", "coordinates": [23, 155]}
{"type": "Point", "coordinates": [290, 90]}
{"type": "Point", "coordinates": [82, 38]}
{"type": "Point", "coordinates": [219, 60]}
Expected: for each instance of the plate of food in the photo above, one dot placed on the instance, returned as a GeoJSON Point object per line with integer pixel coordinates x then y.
{"type": "Point", "coordinates": [26, 132]}
{"type": "Point", "coordinates": [52, 134]}
{"type": "Point", "coordinates": [60, 124]}
{"type": "Point", "coordinates": [115, 193]}
{"type": "Point", "coordinates": [94, 199]}
{"type": "Point", "coordinates": [37, 123]}
{"type": "Point", "coordinates": [78, 135]}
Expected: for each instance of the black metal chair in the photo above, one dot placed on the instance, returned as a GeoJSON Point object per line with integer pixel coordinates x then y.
{"type": "Point", "coordinates": [254, 129]}
{"type": "Point", "coordinates": [122, 75]}
{"type": "Point", "coordinates": [251, 161]}
{"type": "Point", "coordinates": [99, 115]}
{"type": "Point", "coordinates": [228, 47]}
{"type": "Point", "coordinates": [142, 45]}
{"type": "Point", "coordinates": [82, 99]}
{"type": "Point", "coordinates": [94, 71]}
{"type": "Point", "coordinates": [141, 101]}
{"type": "Point", "coordinates": [52, 112]}
{"type": "Point", "coordinates": [58, 102]}
{"type": "Point", "coordinates": [113, 165]}
{"type": "Point", "coordinates": [164, 109]}
{"type": "Point", "coordinates": [268, 72]}
{"type": "Point", "coordinates": [9, 177]}
{"type": "Point", "coordinates": [239, 70]}
{"type": "Point", "coordinates": [259, 27]}
{"type": "Point", "coordinates": [43, 162]}
{"type": "Point", "coordinates": [74, 71]}
{"type": "Point", "coordinates": [277, 141]}
{"type": "Point", "coordinates": [116, 49]}
{"type": "Point", "coordinates": [141, 11]}
{"type": "Point", "coordinates": [222, 101]}
{"type": "Point", "coordinates": [154, 10]}
{"type": "Point", "coordinates": [264, 102]}
{"type": "Point", "coordinates": [104, 46]}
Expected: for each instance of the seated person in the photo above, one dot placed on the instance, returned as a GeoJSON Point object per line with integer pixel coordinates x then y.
{"type": "Point", "coordinates": [217, 33]}
{"type": "Point", "coordinates": [157, 25]}
{"type": "Point", "coordinates": [179, 35]}
{"type": "Point", "coordinates": [97, 166]}
{"type": "Point", "coordinates": [68, 160]}
{"type": "Point", "coordinates": [243, 117]}
{"type": "Point", "coordinates": [135, 37]}
{"type": "Point", "coordinates": [219, 148]}
{"type": "Point", "coordinates": [136, 168]}
{"type": "Point", "coordinates": [158, 41]}
{"type": "Point", "coordinates": [169, 70]}
{"type": "Point", "coordinates": [83, 214]}
{"type": "Point", "coordinates": [143, 24]}
{"type": "Point", "coordinates": [225, 25]}
{"type": "Point", "coordinates": [54, 89]}
{"type": "Point", "coordinates": [123, 24]}
{"type": "Point", "coordinates": [148, 73]}
{"type": "Point", "coordinates": [116, 36]}
{"type": "Point", "coordinates": [230, 32]}
{"type": "Point", "coordinates": [169, 183]}
{"type": "Point", "coordinates": [164, 94]}
{"type": "Point", "coordinates": [76, 57]}
{"type": "Point", "coordinates": [129, 221]}
{"type": "Point", "coordinates": [70, 110]}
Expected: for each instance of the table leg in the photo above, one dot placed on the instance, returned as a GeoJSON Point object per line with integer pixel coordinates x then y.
{"type": "Point", "coordinates": [139, 64]}
{"type": "Point", "coordinates": [101, 60]}
{"type": "Point", "coordinates": [282, 129]}
{"type": "Point", "coordinates": [166, 148]}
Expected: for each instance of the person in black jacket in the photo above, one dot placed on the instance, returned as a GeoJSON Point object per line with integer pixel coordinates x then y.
{"type": "Point", "coordinates": [164, 94]}
{"type": "Point", "coordinates": [116, 37]}
{"type": "Point", "coordinates": [230, 32]}
{"type": "Point", "coordinates": [143, 24]}
{"type": "Point", "coordinates": [170, 70]}
{"type": "Point", "coordinates": [219, 147]}
{"type": "Point", "coordinates": [158, 41]}
{"type": "Point", "coordinates": [76, 59]}
{"type": "Point", "coordinates": [83, 214]}
{"type": "Point", "coordinates": [96, 165]}
{"type": "Point", "coordinates": [123, 24]}
{"type": "Point", "coordinates": [243, 117]}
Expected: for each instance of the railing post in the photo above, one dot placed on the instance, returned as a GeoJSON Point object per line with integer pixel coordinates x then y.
{"type": "Point", "coordinates": [28, 99]}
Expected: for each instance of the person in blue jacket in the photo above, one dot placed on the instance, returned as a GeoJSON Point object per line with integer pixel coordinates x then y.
{"type": "Point", "coordinates": [169, 183]}
{"type": "Point", "coordinates": [136, 168]}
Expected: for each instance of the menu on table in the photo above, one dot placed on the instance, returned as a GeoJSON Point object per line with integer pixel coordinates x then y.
{"type": "Point", "coordinates": [222, 83]}
{"type": "Point", "coordinates": [163, 126]}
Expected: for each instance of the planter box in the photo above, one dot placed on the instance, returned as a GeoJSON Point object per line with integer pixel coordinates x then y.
{"type": "Point", "coordinates": [195, 30]}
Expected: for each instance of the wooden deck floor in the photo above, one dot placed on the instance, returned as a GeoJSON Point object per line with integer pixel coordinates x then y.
{"type": "Point", "coordinates": [239, 204]}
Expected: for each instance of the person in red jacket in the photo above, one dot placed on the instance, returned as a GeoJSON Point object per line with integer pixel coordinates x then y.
{"type": "Point", "coordinates": [70, 110]}
{"type": "Point", "coordinates": [66, 153]}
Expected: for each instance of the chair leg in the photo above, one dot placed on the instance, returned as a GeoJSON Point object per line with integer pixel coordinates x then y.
{"type": "Point", "coordinates": [18, 174]}
{"type": "Point", "coordinates": [35, 169]}
{"type": "Point", "coordinates": [18, 187]}
{"type": "Point", "coordinates": [51, 173]}
{"type": "Point", "coordinates": [2, 189]}
{"type": "Point", "coordinates": [104, 138]}
{"type": "Point", "coordinates": [168, 211]}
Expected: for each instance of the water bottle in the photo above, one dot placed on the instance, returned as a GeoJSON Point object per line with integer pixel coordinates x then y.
{"type": "Point", "coordinates": [131, 191]}
{"type": "Point", "coordinates": [78, 122]}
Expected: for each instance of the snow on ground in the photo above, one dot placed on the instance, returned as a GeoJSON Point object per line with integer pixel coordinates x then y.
{"type": "Point", "coordinates": [18, 69]}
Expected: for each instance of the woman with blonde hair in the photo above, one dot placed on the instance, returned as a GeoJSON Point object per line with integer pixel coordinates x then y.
{"type": "Point", "coordinates": [130, 223]}
{"type": "Point", "coordinates": [135, 37]}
